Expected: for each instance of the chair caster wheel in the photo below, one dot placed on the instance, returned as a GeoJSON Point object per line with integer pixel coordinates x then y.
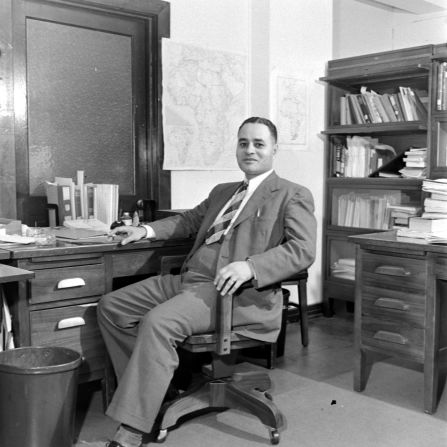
{"type": "Point", "coordinates": [274, 436]}
{"type": "Point", "coordinates": [162, 435]}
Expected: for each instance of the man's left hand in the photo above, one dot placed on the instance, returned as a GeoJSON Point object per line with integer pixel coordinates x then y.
{"type": "Point", "coordinates": [230, 277]}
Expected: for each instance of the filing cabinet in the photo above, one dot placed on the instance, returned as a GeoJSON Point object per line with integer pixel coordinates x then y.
{"type": "Point", "coordinates": [60, 308]}
{"type": "Point", "coordinates": [401, 308]}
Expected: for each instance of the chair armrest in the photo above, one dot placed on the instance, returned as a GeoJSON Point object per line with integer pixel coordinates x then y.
{"type": "Point", "coordinates": [224, 317]}
{"type": "Point", "coordinates": [224, 320]}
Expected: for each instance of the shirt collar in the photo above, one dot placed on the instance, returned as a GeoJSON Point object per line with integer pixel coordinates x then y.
{"type": "Point", "coordinates": [256, 181]}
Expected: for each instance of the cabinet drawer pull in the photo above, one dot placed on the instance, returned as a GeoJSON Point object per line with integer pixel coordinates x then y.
{"type": "Point", "coordinates": [391, 337]}
{"type": "Point", "coordinates": [391, 303]}
{"type": "Point", "coordinates": [70, 282]}
{"type": "Point", "coordinates": [391, 270]}
{"type": "Point", "coordinates": [70, 322]}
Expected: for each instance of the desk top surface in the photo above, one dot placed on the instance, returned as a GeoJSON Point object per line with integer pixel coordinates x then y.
{"type": "Point", "coordinates": [389, 240]}
{"type": "Point", "coordinates": [67, 248]}
{"type": "Point", "coordinates": [9, 274]}
{"type": "Point", "coordinates": [4, 254]}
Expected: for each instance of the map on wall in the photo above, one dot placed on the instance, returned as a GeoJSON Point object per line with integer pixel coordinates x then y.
{"type": "Point", "coordinates": [291, 110]}
{"type": "Point", "coordinates": [205, 99]}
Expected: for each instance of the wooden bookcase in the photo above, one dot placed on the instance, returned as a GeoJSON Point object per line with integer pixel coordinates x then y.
{"type": "Point", "coordinates": [417, 68]}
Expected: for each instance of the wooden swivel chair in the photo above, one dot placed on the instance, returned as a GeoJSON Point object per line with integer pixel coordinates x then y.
{"type": "Point", "coordinates": [221, 387]}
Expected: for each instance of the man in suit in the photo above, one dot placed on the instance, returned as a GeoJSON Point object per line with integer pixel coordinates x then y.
{"type": "Point", "coordinates": [263, 231]}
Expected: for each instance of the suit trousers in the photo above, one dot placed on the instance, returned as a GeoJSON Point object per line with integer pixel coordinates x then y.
{"type": "Point", "coordinates": [143, 323]}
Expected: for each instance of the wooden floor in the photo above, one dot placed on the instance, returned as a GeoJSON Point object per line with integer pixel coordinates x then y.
{"type": "Point", "coordinates": [328, 359]}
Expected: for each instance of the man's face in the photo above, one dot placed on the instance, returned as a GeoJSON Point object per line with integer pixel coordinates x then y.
{"type": "Point", "coordinates": [255, 149]}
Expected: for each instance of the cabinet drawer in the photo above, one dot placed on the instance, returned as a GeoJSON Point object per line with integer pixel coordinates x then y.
{"type": "Point", "coordinates": [62, 283]}
{"type": "Point", "coordinates": [380, 302]}
{"type": "Point", "coordinates": [72, 327]}
{"type": "Point", "coordinates": [393, 336]}
{"type": "Point", "coordinates": [394, 272]}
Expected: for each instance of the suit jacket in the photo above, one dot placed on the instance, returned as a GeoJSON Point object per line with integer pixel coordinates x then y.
{"type": "Point", "coordinates": [276, 229]}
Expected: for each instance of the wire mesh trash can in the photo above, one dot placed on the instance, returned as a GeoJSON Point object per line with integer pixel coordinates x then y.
{"type": "Point", "coordinates": [38, 387]}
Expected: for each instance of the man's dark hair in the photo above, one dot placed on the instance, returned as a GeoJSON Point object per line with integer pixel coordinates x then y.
{"type": "Point", "coordinates": [265, 121]}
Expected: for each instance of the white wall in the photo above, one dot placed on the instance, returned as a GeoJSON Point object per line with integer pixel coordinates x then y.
{"type": "Point", "coordinates": [362, 27]}
{"type": "Point", "coordinates": [300, 45]}
{"type": "Point", "coordinates": [286, 37]}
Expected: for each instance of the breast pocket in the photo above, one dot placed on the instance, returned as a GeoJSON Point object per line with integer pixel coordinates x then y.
{"type": "Point", "coordinates": [263, 233]}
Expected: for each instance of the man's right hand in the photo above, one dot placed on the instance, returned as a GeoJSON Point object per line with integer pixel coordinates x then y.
{"type": "Point", "coordinates": [128, 233]}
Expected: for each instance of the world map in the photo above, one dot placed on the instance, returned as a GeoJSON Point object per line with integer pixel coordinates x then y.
{"type": "Point", "coordinates": [205, 99]}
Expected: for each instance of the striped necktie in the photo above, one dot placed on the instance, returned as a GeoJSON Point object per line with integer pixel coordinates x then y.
{"type": "Point", "coordinates": [218, 228]}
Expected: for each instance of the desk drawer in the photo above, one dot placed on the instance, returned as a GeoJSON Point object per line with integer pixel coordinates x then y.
{"type": "Point", "coordinates": [72, 327]}
{"type": "Point", "coordinates": [387, 303]}
{"type": "Point", "coordinates": [393, 336]}
{"type": "Point", "coordinates": [394, 272]}
{"type": "Point", "coordinates": [63, 283]}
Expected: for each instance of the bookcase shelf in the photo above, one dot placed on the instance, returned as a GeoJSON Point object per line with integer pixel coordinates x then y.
{"type": "Point", "coordinates": [382, 128]}
{"type": "Point", "coordinates": [361, 204]}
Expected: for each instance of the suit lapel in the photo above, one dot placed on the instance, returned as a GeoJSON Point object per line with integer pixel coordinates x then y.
{"type": "Point", "coordinates": [216, 204]}
{"type": "Point", "coordinates": [263, 193]}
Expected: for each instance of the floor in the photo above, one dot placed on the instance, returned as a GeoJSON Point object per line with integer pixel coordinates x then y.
{"type": "Point", "coordinates": [328, 361]}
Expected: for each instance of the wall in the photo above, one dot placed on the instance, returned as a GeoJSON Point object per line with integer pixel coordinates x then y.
{"type": "Point", "coordinates": [280, 37]}
{"type": "Point", "coordinates": [362, 27]}
{"type": "Point", "coordinates": [7, 156]}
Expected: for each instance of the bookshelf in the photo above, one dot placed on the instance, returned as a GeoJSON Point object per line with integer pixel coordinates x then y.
{"type": "Point", "coordinates": [364, 190]}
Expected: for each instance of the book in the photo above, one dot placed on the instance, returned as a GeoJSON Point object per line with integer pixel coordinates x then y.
{"type": "Point", "coordinates": [60, 196]}
{"type": "Point", "coordinates": [438, 196]}
{"type": "Point", "coordinates": [355, 110]}
{"type": "Point", "coordinates": [433, 205]}
{"type": "Point", "coordinates": [373, 113]}
{"type": "Point", "coordinates": [66, 181]}
{"type": "Point", "coordinates": [427, 225]}
{"type": "Point", "coordinates": [367, 119]}
{"type": "Point", "coordinates": [405, 104]}
{"type": "Point", "coordinates": [392, 117]}
{"type": "Point", "coordinates": [394, 99]}
{"type": "Point", "coordinates": [420, 111]}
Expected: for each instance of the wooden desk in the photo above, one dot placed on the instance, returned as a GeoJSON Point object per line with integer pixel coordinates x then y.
{"type": "Point", "coordinates": [58, 306]}
{"type": "Point", "coordinates": [401, 307]}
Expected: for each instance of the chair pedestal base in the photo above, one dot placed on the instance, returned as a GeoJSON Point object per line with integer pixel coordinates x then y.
{"type": "Point", "coordinates": [242, 390]}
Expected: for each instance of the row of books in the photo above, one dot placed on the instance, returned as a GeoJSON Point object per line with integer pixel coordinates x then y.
{"type": "Point", "coordinates": [369, 107]}
{"type": "Point", "coordinates": [70, 201]}
{"type": "Point", "coordinates": [441, 91]}
{"type": "Point", "coordinates": [366, 210]}
{"type": "Point", "coordinates": [360, 156]}
{"type": "Point", "coordinates": [432, 224]}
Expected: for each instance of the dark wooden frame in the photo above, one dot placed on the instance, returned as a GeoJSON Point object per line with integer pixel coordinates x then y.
{"type": "Point", "coordinates": [156, 16]}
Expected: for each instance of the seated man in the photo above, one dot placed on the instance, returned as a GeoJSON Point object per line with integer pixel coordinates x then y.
{"type": "Point", "coordinates": [262, 229]}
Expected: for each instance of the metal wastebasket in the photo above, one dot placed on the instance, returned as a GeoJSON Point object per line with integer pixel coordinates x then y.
{"type": "Point", "coordinates": [38, 388]}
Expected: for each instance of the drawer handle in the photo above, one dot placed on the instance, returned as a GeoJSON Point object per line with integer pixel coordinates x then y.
{"type": "Point", "coordinates": [70, 282]}
{"type": "Point", "coordinates": [71, 322]}
{"type": "Point", "coordinates": [391, 303]}
{"type": "Point", "coordinates": [392, 270]}
{"type": "Point", "coordinates": [391, 337]}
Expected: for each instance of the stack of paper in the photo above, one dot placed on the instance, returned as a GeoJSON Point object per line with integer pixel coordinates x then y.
{"type": "Point", "coordinates": [432, 225]}
{"type": "Point", "coordinates": [344, 268]}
